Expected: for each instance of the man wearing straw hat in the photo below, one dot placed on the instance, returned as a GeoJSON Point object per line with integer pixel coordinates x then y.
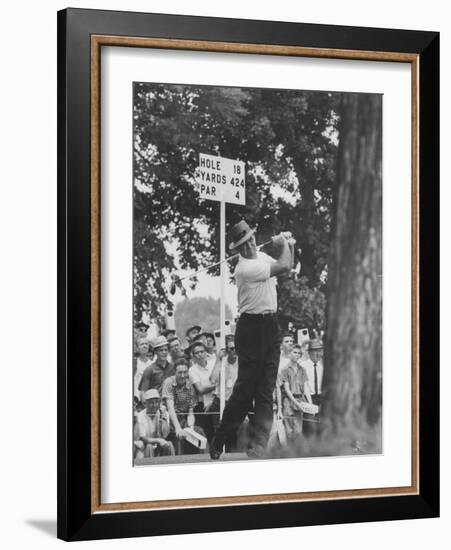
{"type": "Point", "coordinates": [257, 339]}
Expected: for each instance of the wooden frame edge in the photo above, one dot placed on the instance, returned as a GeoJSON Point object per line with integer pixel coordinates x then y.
{"type": "Point", "coordinates": [95, 276]}
{"type": "Point", "coordinates": [235, 47]}
{"type": "Point", "coordinates": [415, 301]}
{"type": "Point", "coordinates": [109, 40]}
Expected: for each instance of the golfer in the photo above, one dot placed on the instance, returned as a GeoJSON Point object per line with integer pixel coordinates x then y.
{"type": "Point", "coordinates": [256, 339]}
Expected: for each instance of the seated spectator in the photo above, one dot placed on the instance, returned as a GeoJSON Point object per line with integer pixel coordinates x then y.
{"type": "Point", "coordinates": [157, 372]}
{"type": "Point", "coordinates": [295, 390]}
{"type": "Point", "coordinates": [140, 362]}
{"type": "Point", "coordinates": [181, 400]}
{"type": "Point", "coordinates": [200, 377]}
{"type": "Point", "coordinates": [152, 429]}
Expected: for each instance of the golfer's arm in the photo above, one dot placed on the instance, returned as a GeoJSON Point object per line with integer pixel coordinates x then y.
{"type": "Point", "coordinates": [173, 414]}
{"type": "Point", "coordinates": [201, 388]}
{"type": "Point", "coordinates": [284, 261]}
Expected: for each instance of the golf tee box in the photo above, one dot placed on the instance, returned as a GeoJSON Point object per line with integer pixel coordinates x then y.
{"type": "Point", "coordinates": [196, 439]}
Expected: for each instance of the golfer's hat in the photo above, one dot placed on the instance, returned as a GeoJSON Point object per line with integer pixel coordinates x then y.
{"type": "Point", "coordinates": [239, 234]}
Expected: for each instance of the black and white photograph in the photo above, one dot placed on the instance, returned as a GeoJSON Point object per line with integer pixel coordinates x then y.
{"type": "Point", "coordinates": [257, 274]}
{"type": "Point", "coordinates": [226, 253]}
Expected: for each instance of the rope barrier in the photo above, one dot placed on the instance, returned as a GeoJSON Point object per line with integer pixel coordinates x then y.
{"type": "Point", "coordinates": [250, 413]}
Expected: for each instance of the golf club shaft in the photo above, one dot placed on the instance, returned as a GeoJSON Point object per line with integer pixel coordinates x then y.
{"type": "Point", "coordinates": [179, 280]}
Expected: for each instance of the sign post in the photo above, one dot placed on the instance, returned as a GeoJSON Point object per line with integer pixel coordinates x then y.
{"type": "Point", "coordinates": [223, 180]}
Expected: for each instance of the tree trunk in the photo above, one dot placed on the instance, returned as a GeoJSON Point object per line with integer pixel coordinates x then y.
{"type": "Point", "coordinates": [353, 346]}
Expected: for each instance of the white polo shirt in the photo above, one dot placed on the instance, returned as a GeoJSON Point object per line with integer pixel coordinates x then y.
{"type": "Point", "coordinates": [256, 288]}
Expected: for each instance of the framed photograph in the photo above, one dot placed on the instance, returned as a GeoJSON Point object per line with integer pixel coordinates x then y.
{"type": "Point", "coordinates": [248, 274]}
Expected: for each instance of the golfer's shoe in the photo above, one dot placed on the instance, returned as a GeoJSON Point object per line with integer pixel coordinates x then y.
{"type": "Point", "coordinates": [216, 447]}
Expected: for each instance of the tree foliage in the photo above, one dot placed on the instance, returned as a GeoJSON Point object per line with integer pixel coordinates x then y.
{"type": "Point", "coordinates": [288, 140]}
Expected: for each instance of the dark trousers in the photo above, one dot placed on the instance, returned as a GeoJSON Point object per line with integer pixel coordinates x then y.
{"type": "Point", "coordinates": [206, 422]}
{"type": "Point", "coordinates": [231, 444]}
{"type": "Point", "coordinates": [257, 342]}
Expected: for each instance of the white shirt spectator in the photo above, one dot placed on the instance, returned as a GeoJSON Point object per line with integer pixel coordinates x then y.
{"type": "Point", "coordinates": [201, 375]}
{"type": "Point", "coordinates": [256, 289]}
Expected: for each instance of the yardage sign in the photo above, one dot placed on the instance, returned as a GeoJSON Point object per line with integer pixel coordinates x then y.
{"type": "Point", "coordinates": [221, 179]}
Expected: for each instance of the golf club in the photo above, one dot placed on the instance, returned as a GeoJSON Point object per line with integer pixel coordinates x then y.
{"type": "Point", "coordinates": [176, 280]}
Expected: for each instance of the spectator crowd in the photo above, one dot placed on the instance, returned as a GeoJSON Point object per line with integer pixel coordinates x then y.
{"type": "Point", "coordinates": [177, 387]}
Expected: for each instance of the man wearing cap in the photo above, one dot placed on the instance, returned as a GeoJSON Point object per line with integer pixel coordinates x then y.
{"type": "Point", "coordinates": [191, 334]}
{"type": "Point", "coordinates": [152, 429]}
{"type": "Point", "coordinates": [256, 338]}
{"type": "Point", "coordinates": [160, 369]}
